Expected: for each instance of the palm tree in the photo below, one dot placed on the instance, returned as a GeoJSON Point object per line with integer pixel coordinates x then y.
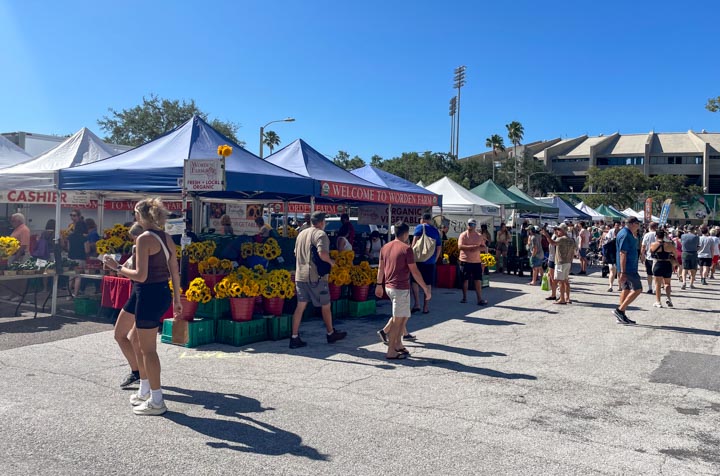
{"type": "Point", "coordinates": [515, 134]}
{"type": "Point", "coordinates": [495, 142]}
{"type": "Point", "coordinates": [271, 140]}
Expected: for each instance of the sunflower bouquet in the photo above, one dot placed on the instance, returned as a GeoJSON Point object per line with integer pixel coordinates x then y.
{"type": "Point", "coordinates": [487, 260]}
{"type": "Point", "coordinates": [118, 230]}
{"type": "Point", "coordinates": [339, 276]}
{"type": "Point", "coordinates": [8, 246]}
{"type": "Point", "coordinates": [268, 250]}
{"type": "Point", "coordinates": [276, 284]}
{"type": "Point", "coordinates": [363, 274]}
{"type": "Point", "coordinates": [213, 265]}
{"type": "Point", "coordinates": [113, 244]}
{"type": "Point", "coordinates": [200, 250]}
{"type": "Point", "coordinates": [450, 248]}
{"type": "Point", "coordinates": [67, 231]}
{"type": "Point", "coordinates": [198, 291]}
{"type": "Point", "coordinates": [292, 232]}
{"type": "Point", "coordinates": [242, 283]}
{"type": "Point", "coordinates": [224, 150]}
{"type": "Point", "coordinates": [343, 258]}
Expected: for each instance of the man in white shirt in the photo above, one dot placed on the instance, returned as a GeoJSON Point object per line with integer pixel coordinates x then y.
{"type": "Point", "coordinates": [648, 239]}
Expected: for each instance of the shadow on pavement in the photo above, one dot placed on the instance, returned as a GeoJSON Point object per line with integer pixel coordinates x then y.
{"type": "Point", "coordinates": [454, 350]}
{"type": "Point", "coordinates": [245, 435]}
{"type": "Point", "coordinates": [684, 330]}
{"type": "Point", "coordinates": [493, 322]}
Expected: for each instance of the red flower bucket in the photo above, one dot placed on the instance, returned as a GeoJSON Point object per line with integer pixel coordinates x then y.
{"type": "Point", "coordinates": [241, 309]}
{"type": "Point", "coordinates": [212, 279]}
{"type": "Point", "coordinates": [258, 305]}
{"type": "Point", "coordinates": [273, 306]}
{"type": "Point", "coordinates": [359, 293]}
{"type": "Point", "coordinates": [335, 291]}
{"type": "Point", "coordinates": [192, 271]}
{"type": "Point", "coordinates": [189, 309]}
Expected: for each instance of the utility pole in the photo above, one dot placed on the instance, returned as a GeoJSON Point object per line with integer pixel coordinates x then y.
{"type": "Point", "coordinates": [459, 83]}
{"type": "Point", "coordinates": [453, 112]}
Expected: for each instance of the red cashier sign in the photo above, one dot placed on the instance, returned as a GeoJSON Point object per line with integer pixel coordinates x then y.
{"type": "Point", "coordinates": [376, 195]}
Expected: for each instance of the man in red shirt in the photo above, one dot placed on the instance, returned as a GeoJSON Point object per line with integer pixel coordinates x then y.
{"type": "Point", "coordinates": [397, 262]}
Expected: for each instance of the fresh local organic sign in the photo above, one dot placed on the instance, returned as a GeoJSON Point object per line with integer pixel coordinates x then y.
{"type": "Point", "coordinates": [378, 215]}
{"type": "Point", "coordinates": [367, 194]}
{"type": "Point", "coordinates": [204, 175]}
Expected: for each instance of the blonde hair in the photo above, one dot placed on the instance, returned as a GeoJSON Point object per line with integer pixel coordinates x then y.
{"type": "Point", "coordinates": [135, 230]}
{"type": "Point", "coordinates": [152, 211]}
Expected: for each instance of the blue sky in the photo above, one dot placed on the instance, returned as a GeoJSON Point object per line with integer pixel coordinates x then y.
{"type": "Point", "coordinates": [371, 77]}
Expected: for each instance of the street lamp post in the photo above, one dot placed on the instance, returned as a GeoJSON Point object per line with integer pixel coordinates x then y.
{"type": "Point", "coordinates": [535, 173]}
{"type": "Point", "coordinates": [262, 131]}
{"type": "Point", "coordinates": [496, 164]}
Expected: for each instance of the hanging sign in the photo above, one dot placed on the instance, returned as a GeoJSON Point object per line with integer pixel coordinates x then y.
{"type": "Point", "coordinates": [378, 214]}
{"type": "Point", "coordinates": [242, 217]}
{"type": "Point", "coordinates": [204, 175]}
{"type": "Point", "coordinates": [302, 208]}
{"type": "Point", "coordinates": [665, 211]}
{"type": "Point", "coordinates": [67, 198]}
{"type": "Point", "coordinates": [129, 205]}
{"type": "Point", "coordinates": [376, 195]}
{"type": "Point", "coordinates": [648, 210]}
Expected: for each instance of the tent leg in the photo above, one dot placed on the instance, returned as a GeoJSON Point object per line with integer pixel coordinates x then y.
{"type": "Point", "coordinates": [287, 228]}
{"type": "Point", "coordinates": [389, 221]}
{"type": "Point", "coordinates": [101, 213]}
{"type": "Point", "coordinates": [58, 266]}
{"type": "Point", "coordinates": [312, 205]}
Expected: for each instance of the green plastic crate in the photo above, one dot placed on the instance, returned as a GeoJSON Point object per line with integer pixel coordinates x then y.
{"type": "Point", "coordinates": [215, 309]}
{"type": "Point", "coordinates": [486, 281]}
{"type": "Point", "coordinates": [200, 332]}
{"type": "Point", "coordinates": [86, 306]}
{"type": "Point", "coordinates": [279, 327]}
{"type": "Point", "coordinates": [241, 333]}
{"type": "Point", "coordinates": [362, 308]}
{"type": "Point", "coordinates": [340, 308]}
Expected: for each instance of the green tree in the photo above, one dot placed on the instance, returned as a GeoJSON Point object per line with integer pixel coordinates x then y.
{"type": "Point", "coordinates": [428, 166]}
{"type": "Point", "coordinates": [271, 139]}
{"type": "Point", "coordinates": [343, 160]}
{"type": "Point", "coordinates": [516, 132]}
{"type": "Point", "coordinates": [622, 186]}
{"type": "Point", "coordinates": [496, 143]}
{"type": "Point", "coordinates": [154, 117]}
{"type": "Point", "coordinates": [376, 161]}
{"type": "Point", "coordinates": [713, 104]}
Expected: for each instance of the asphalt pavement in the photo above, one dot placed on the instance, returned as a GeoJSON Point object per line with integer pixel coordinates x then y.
{"type": "Point", "coordinates": [523, 386]}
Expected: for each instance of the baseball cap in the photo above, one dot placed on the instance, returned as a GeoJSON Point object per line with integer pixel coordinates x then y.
{"type": "Point", "coordinates": [632, 220]}
{"type": "Point", "coordinates": [472, 221]}
{"type": "Point", "coordinates": [562, 226]}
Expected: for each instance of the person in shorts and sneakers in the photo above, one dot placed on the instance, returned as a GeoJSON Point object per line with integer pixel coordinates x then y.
{"type": "Point", "coordinates": [397, 263]}
{"type": "Point", "coordinates": [427, 268]}
{"type": "Point", "coordinates": [647, 241]}
{"type": "Point", "coordinates": [690, 243]}
{"type": "Point", "coordinates": [309, 285]}
{"type": "Point", "coordinates": [564, 253]}
{"type": "Point", "coordinates": [471, 244]}
{"type": "Point", "coordinates": [627, 266]}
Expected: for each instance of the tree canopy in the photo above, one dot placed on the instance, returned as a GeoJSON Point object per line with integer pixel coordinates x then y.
{"type": "Point", "coordinates": [713, 104]}
{"type": "Point", "coordinates": [154, 117]}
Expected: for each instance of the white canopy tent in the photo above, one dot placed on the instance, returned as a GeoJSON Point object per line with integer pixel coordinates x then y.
{"type": "Point", "coordinates": [639, 215]}
{"type": "Point", "coordinates": [10, 154]}
{"type": "Point", "coordinates": [39, 173]}
{"type": "Point", "coordinates": [596, 216]}
{"type": "Point", "coordinates": [459, 204]}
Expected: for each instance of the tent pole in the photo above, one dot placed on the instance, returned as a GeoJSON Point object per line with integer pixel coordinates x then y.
{"type": "Point", "coordinates": [287, 228]}
{"type": "Point", "coordinates": [101, 212]}
{"type": "Point", "coordinates": [389, 221]}
{"type": "Point", "coordinates": [312, 205]}
{"type": "Point", "coordinates": [58, 266]}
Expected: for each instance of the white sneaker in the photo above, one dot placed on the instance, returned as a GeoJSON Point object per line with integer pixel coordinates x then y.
{"type": "Point", "coordinates": [149, 408]}
{"type": "Point", "coordinates": [136, 400]}
{"type": "Point", "coordinates": [657, 304]}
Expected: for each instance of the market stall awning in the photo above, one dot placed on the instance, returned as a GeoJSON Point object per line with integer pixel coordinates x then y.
{"type": "Point", "coordinates": [546, 210]}
{"type": "Point", "coordinates": [460, 201]}
{"type": "Point", "coordinates": [492, 192]}
{"type": "Point", "coordinates": [397, 184]}
{"type": "Point", "coordinates": [10, 154]}
{"type": "Point", "coordinates": [610, 212]}
{"type": "Point", "coordinates": [81, 148]}
{"type": "Point", "coordinates": [565, 210]}
{"type": "Point", "coordinates": [335, 183]}
{"type": "Point", "coordinates": [157, 166]}
{"type": "Point", "coordinates": [596, 216]}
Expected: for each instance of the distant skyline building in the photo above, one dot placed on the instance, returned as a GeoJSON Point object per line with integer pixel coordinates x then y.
{"type": "Point", "coordinates": [693, 154]}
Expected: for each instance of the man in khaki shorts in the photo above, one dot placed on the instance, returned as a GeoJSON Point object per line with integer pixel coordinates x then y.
{"type": "Point", "coordinates": [397, 262]}
{"type": "Point", "coordinates": [309, 285]}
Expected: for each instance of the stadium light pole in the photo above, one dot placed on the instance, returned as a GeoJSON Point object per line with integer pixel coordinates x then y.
{"type": "Point", "coordinates": [262, 131]}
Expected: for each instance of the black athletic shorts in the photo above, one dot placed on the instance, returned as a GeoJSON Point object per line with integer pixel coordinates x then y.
{"type": "Point", "coordinates": [649, 267]}
{"type": "Point", "coordinates": [662, 269]}
{"type": "Point", "coordinates": [471, 271]}
{"type": "Point", "coordinates": [705, 261]}
{"type": "Point", "coordinates": [428, 272]}
{"type": "Point", "coordinates": [149, 302]}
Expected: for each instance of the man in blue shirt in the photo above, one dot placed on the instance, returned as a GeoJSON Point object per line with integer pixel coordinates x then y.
{"type": "Point", "coordinates": [627, 266]}
{"type": "Point", "coordinates": [426, 268]}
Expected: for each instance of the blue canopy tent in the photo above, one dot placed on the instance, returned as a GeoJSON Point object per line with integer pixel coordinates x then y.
{"type": "Point", "coordinates": [393, 182]}
{"type": "Point", "coordinates": [565, 210]}
{"type": "Point", "coordinates": [157, 167]}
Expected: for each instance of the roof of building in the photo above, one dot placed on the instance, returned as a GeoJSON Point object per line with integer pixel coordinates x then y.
{"type": "Point", "coordinates": [668, 143]}
{"type": "Point", "coordinates": [712, 138]}
{"type": "Point", "coordinates": [583, 149]}
{"type": "Point", "coordinates": [629, 144]}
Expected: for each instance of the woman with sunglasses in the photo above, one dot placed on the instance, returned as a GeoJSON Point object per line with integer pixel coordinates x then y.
{"type": "Point", "coordinates": [155, 263]}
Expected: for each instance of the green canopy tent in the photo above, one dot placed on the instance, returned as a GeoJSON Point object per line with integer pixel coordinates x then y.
{"type": "Point", "coordinates": [547, 211]}
{"type": "Point", "coordinates": [610, 212]}
{"type": "Point", "coordinates": [494, 193]}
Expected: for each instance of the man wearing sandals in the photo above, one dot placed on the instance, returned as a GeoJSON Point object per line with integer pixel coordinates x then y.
{"type": "Point", "coordinates": [471, 244]}
{"type": "Point", "coordinates": [397, 263]}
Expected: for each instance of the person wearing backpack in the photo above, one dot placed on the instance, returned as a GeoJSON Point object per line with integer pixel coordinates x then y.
{"type": "Point", "coordinates": [427, 248]}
